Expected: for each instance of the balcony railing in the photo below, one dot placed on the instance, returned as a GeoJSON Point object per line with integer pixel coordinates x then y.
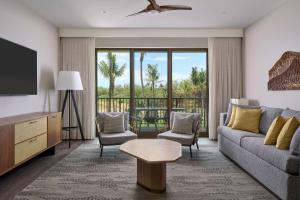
{"type": "Point", "coordinates": [159, 105]}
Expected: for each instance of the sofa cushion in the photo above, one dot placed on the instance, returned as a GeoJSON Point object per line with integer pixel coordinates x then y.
{"type": "Point", "coordinates": [291, 113]}
{"type": "Point", "coordinates": [294, 149]}
{"type": "Point", "coordinates": [117, 138]}
{"type": "Point", "coordinates": [229, 111]}
{"type": "Point", "coordinates": [236, 135]}
{"type": "Point", "coordinates": [184, 139]}
{"type": "Point", "coordinates": [267, 117]}
{"type": "Point", "coordinates": [274, 130]}
{"type": "Point", "coordinates": [247, 119]}
{"type": "Point", "coordinates": [228, 114]}
{"type": "Point", "coordinates": [278, 158]}
{"type": "Point", "coordinates": [286, 134]}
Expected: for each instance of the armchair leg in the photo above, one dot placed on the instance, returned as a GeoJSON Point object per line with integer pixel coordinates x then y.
{"type": "Point", "coordinates": [101, 150]}
{"type": "Point", "coordinates": [191, 151]}
{"type": "Point", "coordinates": [197, 145]}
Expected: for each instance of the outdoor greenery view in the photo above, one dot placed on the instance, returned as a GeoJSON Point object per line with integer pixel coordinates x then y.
{"type": "Point", "coordinates": [150, 77]}
{"type": "Point", "coordinates": [151, 82]}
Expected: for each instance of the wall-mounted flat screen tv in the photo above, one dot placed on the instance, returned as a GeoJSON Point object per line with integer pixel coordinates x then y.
{"type": "Point", "coordinates": [18, 69]}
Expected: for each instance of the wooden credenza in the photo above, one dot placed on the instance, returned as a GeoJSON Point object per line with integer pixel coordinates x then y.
{"type": "Point", "coordinates": [23, 137]}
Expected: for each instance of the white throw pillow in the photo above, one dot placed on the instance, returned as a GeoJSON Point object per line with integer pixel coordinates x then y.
{"type": "Point", "coordinates": [183, 124]}
{"type": "Point", "coordinates": [113, 123]}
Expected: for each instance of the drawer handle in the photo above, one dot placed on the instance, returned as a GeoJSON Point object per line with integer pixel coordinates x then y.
{"type": "Point", "coordinates": [33, 122]}
{"type": "Point", "coordinates": [32, 140]}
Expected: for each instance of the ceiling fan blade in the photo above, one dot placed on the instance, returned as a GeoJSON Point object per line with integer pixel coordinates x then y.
{"type": "Point", "coordinates": [174, 7]}
{"type": "Point", "coordinates": [140, 12]}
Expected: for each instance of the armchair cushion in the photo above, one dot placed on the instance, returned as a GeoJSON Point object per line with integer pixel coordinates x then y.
{"type": "Point", "coordinates": [183, 124]}
{"type": "Point", "coordinates": [113, 123]}
{"type": "Point", "coordinates": [196, 118]}
{"type": "Point", "coordinates": [126, 119]}
{"type": "Point", "coordinates": [184, 139]}
{"type": "Point", "coordinates": [117, 138]}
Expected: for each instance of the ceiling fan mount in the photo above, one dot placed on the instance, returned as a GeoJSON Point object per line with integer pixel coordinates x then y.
{"type": "Point", "coordinates": [153, 7]}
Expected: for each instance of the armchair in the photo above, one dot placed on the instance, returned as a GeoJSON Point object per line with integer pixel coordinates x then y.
{"type": "Point", "coordinates": [109, 139]}
{"type": "Point", "coordinates": [183, 139]}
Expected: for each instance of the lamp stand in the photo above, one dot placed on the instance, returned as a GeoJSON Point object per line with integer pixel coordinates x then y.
{"type": "Point", "coordinates": [68, 96]}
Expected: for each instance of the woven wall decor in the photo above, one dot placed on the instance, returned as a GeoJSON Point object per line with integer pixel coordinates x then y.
{"type": "Point", "coordinates": [285, 74]}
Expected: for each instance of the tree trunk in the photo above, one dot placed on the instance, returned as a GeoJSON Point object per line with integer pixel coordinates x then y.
{"type": "Point", "coordinates": [141, 73]}
{"type": "Point", "coordinates": [153, 95]}
{"type": "Point", "coordinates": [110, 92]}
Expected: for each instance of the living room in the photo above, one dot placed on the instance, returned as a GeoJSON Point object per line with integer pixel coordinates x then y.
{"type": "Point", "coordinates": [148, 99]}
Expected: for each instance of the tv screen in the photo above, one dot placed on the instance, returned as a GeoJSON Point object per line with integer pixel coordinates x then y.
{"type": "Point", "coordinates": [18, 69]}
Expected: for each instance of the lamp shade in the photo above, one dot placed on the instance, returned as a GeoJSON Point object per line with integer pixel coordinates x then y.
{"type": "Point", "coordinates": [69, 80]}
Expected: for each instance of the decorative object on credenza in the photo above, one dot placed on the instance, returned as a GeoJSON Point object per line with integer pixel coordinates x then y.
{"type": "Point", "coordinates": [70, 81]}
{"type": "Point", "coordinates": [285, 74]}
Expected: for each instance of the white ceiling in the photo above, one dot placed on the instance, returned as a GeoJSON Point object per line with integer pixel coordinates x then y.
{"type": "Point", "coordinates": [112, 13]}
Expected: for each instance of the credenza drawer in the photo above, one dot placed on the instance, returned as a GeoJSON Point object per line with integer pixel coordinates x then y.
{"type": "Point", "coordinates": [30, 147]}
{"type": "Point", "coordinates": [30, 129]}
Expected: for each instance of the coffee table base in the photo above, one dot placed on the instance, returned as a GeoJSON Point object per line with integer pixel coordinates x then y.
{"type": "Point", "coordinates": [151, 176]}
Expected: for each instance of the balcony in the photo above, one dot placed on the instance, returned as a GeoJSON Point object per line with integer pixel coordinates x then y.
{"type": "Point", "coordinates": [156, 105]}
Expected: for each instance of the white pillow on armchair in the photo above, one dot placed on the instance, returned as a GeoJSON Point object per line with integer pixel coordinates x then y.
{"type": "Point", "coordinates": [183, 124]}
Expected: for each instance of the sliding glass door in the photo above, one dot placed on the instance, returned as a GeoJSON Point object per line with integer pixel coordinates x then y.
{"type": "Point", "coordinates": [150, 83]}
{"type": "Point", "coordinates": [151, 79]}
{"type": "Point", "coordinates": [113, 81]}
{"type": "Point", "coordinates": [189, 85]}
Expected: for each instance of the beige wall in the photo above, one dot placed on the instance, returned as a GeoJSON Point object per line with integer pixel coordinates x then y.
{"type": "Point", "coordinates": [145, 42]}
{"type": "Point", "coordinates": [20, 25]}
{"type": "Point", "coordinates": [265, 41]}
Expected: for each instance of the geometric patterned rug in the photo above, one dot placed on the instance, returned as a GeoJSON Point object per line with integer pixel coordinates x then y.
{"type": "Point", "coordinates": [209, 175]}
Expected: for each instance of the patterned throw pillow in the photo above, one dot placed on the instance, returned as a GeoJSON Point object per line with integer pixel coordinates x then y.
{"type": "Point", "coordinates": [113, 123]}
{"type": "Point", "coordinates": [183, 124]}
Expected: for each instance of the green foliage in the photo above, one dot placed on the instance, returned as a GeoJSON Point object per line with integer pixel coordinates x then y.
{"type": "Point", "coordinates": [195, 86]}
{"type": "Point", "coordinates": [111, 71]}
{"type": "Point", "coordinates": [152, 77]}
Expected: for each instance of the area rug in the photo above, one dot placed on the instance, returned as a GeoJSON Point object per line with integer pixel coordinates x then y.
{"type": "Point", "coordinates": [83, 175]}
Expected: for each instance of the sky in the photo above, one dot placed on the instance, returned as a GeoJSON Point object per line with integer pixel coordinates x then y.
{"type": "Point", "coordinates": [181, 69]}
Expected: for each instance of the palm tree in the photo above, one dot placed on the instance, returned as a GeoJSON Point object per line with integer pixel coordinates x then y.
{"type": "Point", "coordinates": [199, 80]}
{"type": "Point", "coordinates": [195, 76]}
{"type": "Point", "coordinates": [111, 71]}
{"type": "Point", "coordinates": [152, 76]}
{"type": "Point", "coordinates": [141, 71]}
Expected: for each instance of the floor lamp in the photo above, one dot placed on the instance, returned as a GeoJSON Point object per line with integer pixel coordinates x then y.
{"type": "Point", "coordinates": [70, 81]}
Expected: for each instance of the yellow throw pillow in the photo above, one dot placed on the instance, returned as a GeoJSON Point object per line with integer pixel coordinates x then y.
{"type": "Point", "coordinates": [274, 130]}
{"type": "Point", "coordinates": [286, 133]}
{"type": "Point", "coordinates": [247, 119]}
{"type": "Point", "coordinates": [232, 117]}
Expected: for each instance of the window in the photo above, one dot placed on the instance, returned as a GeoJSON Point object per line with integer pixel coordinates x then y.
{"type": "Point", "coordinates": [151, 83]}
{"type": "Point", "coordinates": [161, 80]}
{"type": "Point", "coordinates": [113, 81]}
{"type": "Point", "coordinates": [189, 85]}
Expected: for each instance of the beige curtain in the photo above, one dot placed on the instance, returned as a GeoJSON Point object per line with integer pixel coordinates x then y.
{"type": "Point", "coordinates": [78, 54]}
{"type": "Point", "coordinates": [225, 77]}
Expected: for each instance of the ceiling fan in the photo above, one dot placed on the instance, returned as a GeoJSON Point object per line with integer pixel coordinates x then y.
{"type": "Point", "coordinates": [153, 7]}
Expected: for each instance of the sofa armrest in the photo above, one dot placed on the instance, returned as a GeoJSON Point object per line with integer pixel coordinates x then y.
{"type": "Point", "coordinates": [222, 118]}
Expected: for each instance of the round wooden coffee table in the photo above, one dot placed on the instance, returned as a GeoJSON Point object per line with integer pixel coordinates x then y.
{"type": "Point", "coordinates": [152, 156]}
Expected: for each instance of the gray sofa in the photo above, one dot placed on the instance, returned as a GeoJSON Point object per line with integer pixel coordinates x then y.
{"type": "Point", "coordinates": [277, 170]}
